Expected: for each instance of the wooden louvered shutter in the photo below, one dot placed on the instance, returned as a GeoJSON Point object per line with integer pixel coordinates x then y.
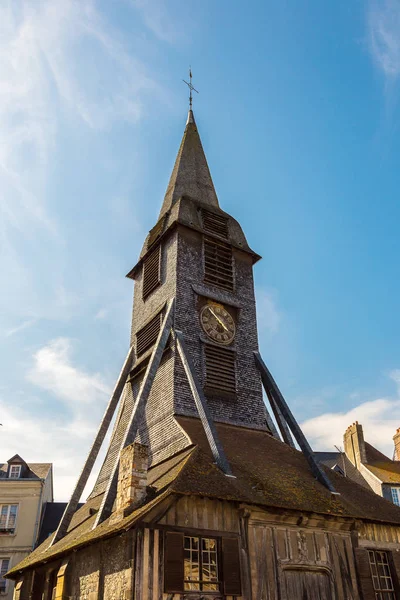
{"type": "Point", "coordinates": [151, 272]}
{"type": "Point", "coordinates": [173, 562]}
{"type": "Point", "coordinates": [218, 264]}
{"type": "Point", "coordinates": [231, 567]}
{"type": "Point", "coordinates": [220, 369]}
{"type": "Point", "coordinates": [364, 574]}
{"type": "Point", "coordinates": [147, 336]}
{"type": "Point", "coordinates": [216, 224]}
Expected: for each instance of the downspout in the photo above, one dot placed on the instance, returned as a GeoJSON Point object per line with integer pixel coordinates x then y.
{"type": "Point", "coordinates": [35, 533]}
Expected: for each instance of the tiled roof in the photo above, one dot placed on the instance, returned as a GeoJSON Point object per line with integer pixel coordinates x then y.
{"type": "Point", "coordinates": [36, 470]}
{"type": "Point", "coordinates": [388, 471]}
{"type": "Point", "coordinates": [80, 531]}
{"type": "Point", "coordinates": [270, 473]}
{"type": "Point", "coordinates": [331, 459]}
{"type": "Point", "coordinates": [267, 473]}
{"type": "Point", "coordinates": [52, 515]}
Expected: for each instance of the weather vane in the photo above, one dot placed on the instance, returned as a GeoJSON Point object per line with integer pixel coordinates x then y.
{"type": "Point", "coordinates": [191, 88]}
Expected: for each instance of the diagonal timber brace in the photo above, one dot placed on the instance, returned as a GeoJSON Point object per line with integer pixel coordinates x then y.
{"type": "Point", "coordinates": [94, 450]}
{"type": "Point", "coordinates": [202, 407]}
{"type": "Point", "coordinates": [272, 389]}
{"type": "Point", "coordinates": [271, 424]}
{"type": "Point", "coordinates": [283, 426]}
{"type": "Point", "coordinates": [137, 412]}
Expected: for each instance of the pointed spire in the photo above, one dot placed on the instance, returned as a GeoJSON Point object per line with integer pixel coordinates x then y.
{"type": "Point", "coordinates": [191, 175]}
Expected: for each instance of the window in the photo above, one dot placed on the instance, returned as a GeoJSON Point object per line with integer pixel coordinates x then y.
{"type": "Point", "coordinates": [151, 272]}
{"type": "Point", "coordinates": [8, 517]}
{"type": "Point", "coordinates": [220, 370]}
{"type": "Point", "coordinates": [218, 264]}
{"type": "Point", "coordinates": [15, 471]}
{"type": "Point", "coordinates": [193, 563]}
{"type": "Point", "coordinates": [147, 336]}
{"type": "Point", "coordinates": [4, 566]}
{"type": "Point", "coordinates": [381, 575]}
{"type": "Point", "coordinates": [395, 495]}
{"type": "Point", "coordinates": [200, 564]}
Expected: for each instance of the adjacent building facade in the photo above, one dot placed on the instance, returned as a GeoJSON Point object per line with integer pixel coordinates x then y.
{"type": "Point", "coordinates": [24, 491]}
{"type": "Point", "coordinates": [200, 495]}
{"type": "Point", "coordinates": [366, 465]}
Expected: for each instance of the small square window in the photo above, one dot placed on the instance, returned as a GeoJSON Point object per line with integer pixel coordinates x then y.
{"type": "Point", "coordinates": [15, 471]}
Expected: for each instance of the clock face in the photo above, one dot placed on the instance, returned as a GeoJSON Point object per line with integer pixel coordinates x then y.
{"type": "Point", "coordinates": [217, 323]}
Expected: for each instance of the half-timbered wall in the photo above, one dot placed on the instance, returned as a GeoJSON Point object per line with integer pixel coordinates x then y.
{"type": "Point", "coordinates": [283, 556]}
{"type": "Point", "coordinates": [292, 562]}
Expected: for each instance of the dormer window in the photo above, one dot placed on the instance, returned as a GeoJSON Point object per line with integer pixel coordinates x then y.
{"type": "Point", "coordinates": [15, 471]}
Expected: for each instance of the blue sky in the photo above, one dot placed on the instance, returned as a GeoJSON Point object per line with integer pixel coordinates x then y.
{"type": "Point", "coordinates": [299, 116]}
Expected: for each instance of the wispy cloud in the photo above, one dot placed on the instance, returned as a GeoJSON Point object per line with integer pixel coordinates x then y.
{"type": "Point", "coordinates": [384, 36]}
{"type": "Point", "coordinates": [379, 418]}
{"type": "Point", "coordinates": [46, 59]}
{"type": "Point", "coordinates": [54, 372]}
{"type": "Point", "coordinates": [20, 327]}
{"type": "Point", "coordinates": [48, 435]}
{"type": "Point", "coordinates": [156, 16]}
{"type": "Point", "coordinates": [268, 314]}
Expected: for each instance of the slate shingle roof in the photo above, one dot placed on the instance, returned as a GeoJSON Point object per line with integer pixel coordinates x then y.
{"type": "Point", "coordinates": [267, 473]}
{"type": "Point", "coordinates": [330, 459]}
{"type": "Point", "coordinates": [36, 470]}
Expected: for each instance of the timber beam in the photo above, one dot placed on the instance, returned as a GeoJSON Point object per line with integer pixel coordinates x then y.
{"type": "Point", "coordinates": [94, 450]}
{"type": "Point", "coordinates": [202, 407]}
{"type": "Point", "coordinates": [273, 391]}
{"type": "Point", "coordinates": [137, 412]}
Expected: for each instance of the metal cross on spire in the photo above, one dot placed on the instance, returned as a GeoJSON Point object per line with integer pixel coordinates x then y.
{"type": "Point", "coordinates": [191, 88]}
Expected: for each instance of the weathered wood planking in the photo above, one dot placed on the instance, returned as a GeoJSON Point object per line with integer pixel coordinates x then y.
{"type": "Point", "coordinates": [374, 532]}
{"type": "Point", "coordinates": [287, 563]}
{"type": "Point", "coordinates": [202, 513]}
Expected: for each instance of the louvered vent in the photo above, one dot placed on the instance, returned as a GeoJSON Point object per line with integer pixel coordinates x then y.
{"type": "Point", "coordinates": [156, 232]}
{"type": "Point", "coordinates": [146, 337]}
{"type": "Point", "coordinates": [151, 272]}
{"type": "Point", "coordinates": [216, 224]}
{"type": "Point", "coordinates": [218, 267]}
{"type": "Point", "coordinates": [220, 370]}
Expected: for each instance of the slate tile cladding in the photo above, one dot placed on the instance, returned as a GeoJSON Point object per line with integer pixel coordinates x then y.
{"type": "Point", "coordinates": [248, 408]}
{"type": "Point", "coordinates": [182, 267]}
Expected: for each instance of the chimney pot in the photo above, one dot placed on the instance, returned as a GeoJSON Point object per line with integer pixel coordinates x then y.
{"type": "Point", "coordinates": [396, 439]}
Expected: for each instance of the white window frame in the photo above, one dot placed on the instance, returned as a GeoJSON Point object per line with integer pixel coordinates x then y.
{"type": "Point", "coordinates": [18, 467]}
{"type": "Point", "coordinates": [395, 491]}
{"type": "Point", "coordinates": [3, 570]}
{"type": "Point", "coordinates": [8, 515]}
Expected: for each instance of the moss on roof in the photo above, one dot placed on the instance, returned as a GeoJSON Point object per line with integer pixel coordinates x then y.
{"type": "Point", "coordinates": [267, 473]}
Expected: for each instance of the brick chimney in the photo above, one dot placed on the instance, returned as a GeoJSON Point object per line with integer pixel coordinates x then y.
{"type": "Point", "coordinates": [132, 479]}
{"type": "Point", "coordinates": [354, 445]}
{"type": "Point", "coordinates": [396, 439]}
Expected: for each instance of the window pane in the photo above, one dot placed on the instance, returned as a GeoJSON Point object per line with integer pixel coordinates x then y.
{"type": "Point", "coordinates": [396, 496]}
{"type": "Point", "coordinates": [3, 516]}
{"type": "Point", "coordinates": [381, 575]}
{"type": "Point", "coordinates": [4, 565]}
